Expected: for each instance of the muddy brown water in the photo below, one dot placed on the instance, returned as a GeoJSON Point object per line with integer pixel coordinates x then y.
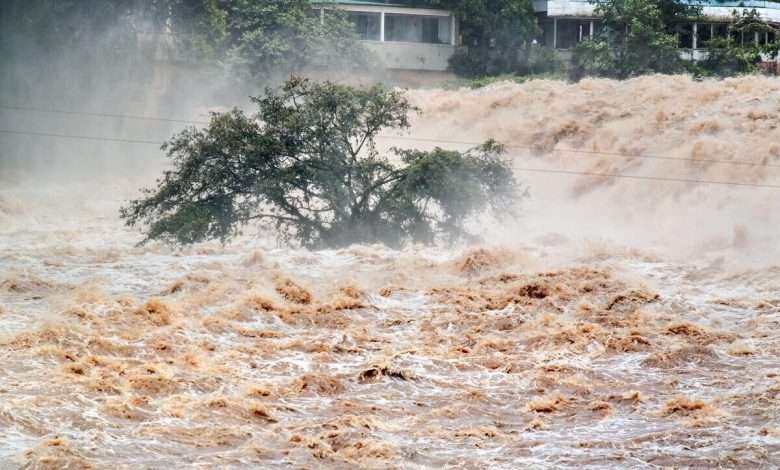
{"type": "Point", "coordinates": [613, 326]}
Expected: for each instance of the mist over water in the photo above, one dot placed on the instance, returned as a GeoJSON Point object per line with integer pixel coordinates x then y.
{"type": "Point", "coordinates": [605, 127]}
{"type": "Point", "coordinates": [617, 323]}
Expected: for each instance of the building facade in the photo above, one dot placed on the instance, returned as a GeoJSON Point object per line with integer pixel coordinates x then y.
{"type": "Point", "coordinates": [413, 39]}
{"type": "Point", "coordinates": [568, 22]}
{"type": "Point", "coordinates": [404, 38]}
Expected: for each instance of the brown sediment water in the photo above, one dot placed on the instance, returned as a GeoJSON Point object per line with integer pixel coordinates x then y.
{"type": "Point", "coordinates": [617, 324]}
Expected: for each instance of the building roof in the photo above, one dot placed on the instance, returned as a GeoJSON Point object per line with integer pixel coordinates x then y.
{"type": "Point", "coordinates": [400, 6]}
{"type": "Point", "coordinates": [363, 2]}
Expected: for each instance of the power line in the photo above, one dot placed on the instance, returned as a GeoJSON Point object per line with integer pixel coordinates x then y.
{"type": "Point", "coordinates": [662, 157]}
{"type": "Point", "coordinates": [80, 137]}
{"type": "Point", "coordinates": [166, 33]}
{"type": "Point", "coordinates": [108, 115]}
{"type": "Point", "coordinates": [591, 152]}
{"type": "Point", "coordinates": [411, 139]}
{"type": "Point", "coordinates": [647, 178]}
{"type": "Point", "coordinates": [531, 170]}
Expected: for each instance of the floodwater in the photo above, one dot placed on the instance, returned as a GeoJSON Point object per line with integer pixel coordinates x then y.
{"type": "Point", "coordinates": [619, 323]}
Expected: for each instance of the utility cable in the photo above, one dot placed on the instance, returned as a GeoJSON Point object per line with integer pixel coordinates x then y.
{"type": "Point", "coordinates": [531, 170]}
{"type": "Point", "coordinates": [647, 178]}
{"type": "Point", "coordinates": [80, 137]}
{"type": "Point", "coordinates": [108, 115]}
{"type": "Point", "coordinates": [591, 152]}
{"type": "Point", "coordinates": [418, 139]}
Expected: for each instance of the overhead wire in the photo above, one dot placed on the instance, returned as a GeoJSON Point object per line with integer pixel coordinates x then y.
{"type": "Point", "coordinates": [593, 152]}
{"type": "Point", "coordinates": [80, 137]}
{"type": "Point", "coordinates": [647, 178]}
{"type": "Point", "coordinates": [414, 139]}
{"type": "Point", "coordinates": [108, 115]}
{"type": "Point", "coordinates": [411, 139]}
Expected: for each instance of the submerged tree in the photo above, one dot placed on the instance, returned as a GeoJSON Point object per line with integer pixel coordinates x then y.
{"type": "Point", "coordinates": [307, 163]}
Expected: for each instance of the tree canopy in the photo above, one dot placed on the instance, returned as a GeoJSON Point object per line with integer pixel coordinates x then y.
{"type": "Point", "coordinates": [273, 38]}
{"type": "Point", "coordinates": [637, 37]}
{"type": "Point", "coordinates": [738, 52]}
{"type": "Point", "coordinates": [307, 164]}
{"type": "Point", "coordinates": [498, 35]}
{"type": "Point", "coordinates": [266, 38]}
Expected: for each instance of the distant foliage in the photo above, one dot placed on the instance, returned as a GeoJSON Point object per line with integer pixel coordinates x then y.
{"type": "Point", "coordinates": [266, 40]}
{"type": "Point", "coordinates": [637, 38]}
{"type": "Point", "coordinates": [262, 39]}
{"type": "Point", "coordinates": [307, 164]}
{"type": "Point", "coordinates": [527, 59]}
{"type": "Point", "coordinates": [200, 27]}
{"type": "Point", "coordinates": [593, 58]}
{"type": "Point", "coordinates": [498, 37]}
{"type": "Point", "coordinates": [31, 27]}
{"type": "Point", "coordinates": [488, 80]}
{"type": "Point", "coordinates": [274, 38]}
{"type": "Point", "coordinates": [738, 53]}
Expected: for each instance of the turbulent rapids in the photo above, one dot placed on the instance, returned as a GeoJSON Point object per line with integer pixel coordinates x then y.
{"type": "Point", "coordinates": [619, 323]}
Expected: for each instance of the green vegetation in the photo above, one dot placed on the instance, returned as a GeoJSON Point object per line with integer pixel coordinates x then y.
{"type": "Point", "coordinates": [270, 39]}
{"type": "Point", "coordinates": [637, 38]}
{"type": "Point", "coordinates": [738, 53]}
{"type": "Point", "coordinates": [260, 39]}
{"type": "Point", "coordinates": [267, 40]}
{"type": "Point", "coordinates": [481, 82]}
{"type": "Point", "coordinates": [307, 164]}
{"type": "Point", "coordinates": [499, 37]}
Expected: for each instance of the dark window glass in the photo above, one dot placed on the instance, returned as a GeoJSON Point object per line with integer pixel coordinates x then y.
{"type": "Point", "coordinates": [721, 30]}
{"type": "Point", "coordinates": [366, 25]}
{"type": "Point", "coordinates": [685, 36]}
{"type": "Point", "coordinates": [430, 30]}
{"type": "Point", "coordinates": [396, 28]}
{"type": "Point", "coordinates": [735, 36]}
{"type": "Point", "coordinates": [546, 25]}
{"type": "Point", "coordinates": [415, 28]}
{"type": "Point", "coordinates": [568, 33]}
{"type": "Point", "coordinates": [704, 34]}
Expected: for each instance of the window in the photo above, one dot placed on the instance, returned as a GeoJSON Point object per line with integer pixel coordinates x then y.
{"type": "Point", "coordinates": [736, 37]}
{"type": "Point", "coordinates": [568, 33]}
{"type": "Point", "coordinates": [415, 28]}
{"type": "Point", "coordinates": [430, 30]}
{"type": "Point", "coordinates": [685, 36]}
{"type": "Point", "coordinates": [599, 28]}
{"type": "Point", "coordinates": [704, 34]}
{"type": "Point", "coordinates": [584, 30]}
{"type": "Point", "coordinates": [720, 30]}
{"type": "Point", "coordinates": [546, 26]}
{"type": "Point", "coordinates": [366, 25]}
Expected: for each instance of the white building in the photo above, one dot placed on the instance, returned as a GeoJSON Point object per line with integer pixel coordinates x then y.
{"type": "Point", "coordinates": [567, 22]}
{"type": "Point", "coordinates": [402, 37]}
